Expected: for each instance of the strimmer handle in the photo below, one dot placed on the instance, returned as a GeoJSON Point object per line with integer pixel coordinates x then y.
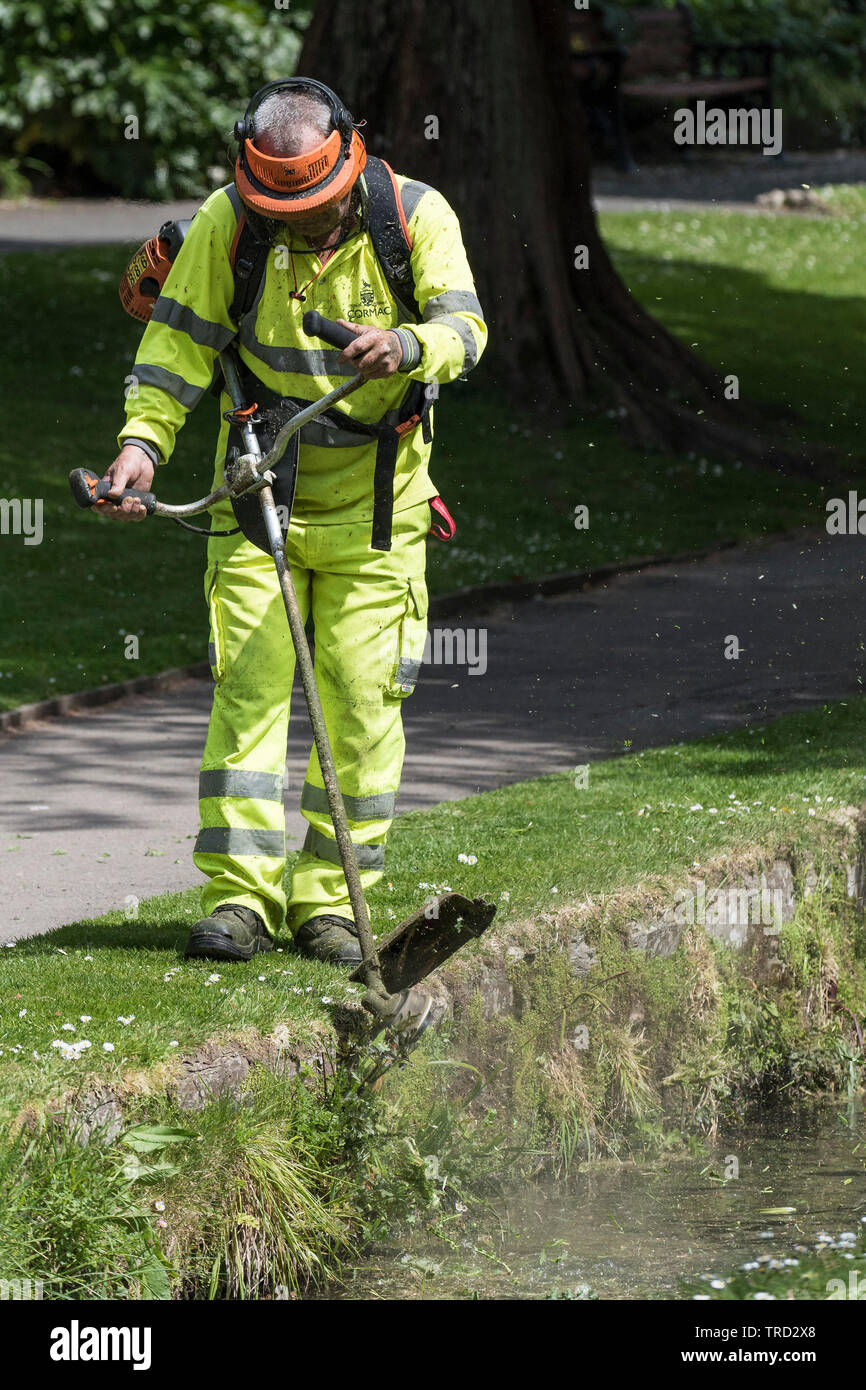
{"type": "Point", "coordinates": [89, 490]}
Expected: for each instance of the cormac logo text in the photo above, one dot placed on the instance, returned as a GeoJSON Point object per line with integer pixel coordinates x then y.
{"type": "Point", "coordinates": [77, 1343]}
{"type": "Point", "coordinates": [368, 304]}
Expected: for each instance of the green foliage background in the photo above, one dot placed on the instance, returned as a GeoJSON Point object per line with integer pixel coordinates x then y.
{"type": "Point", "coordinates": [820, 65]}
{"type": "Point", "coordinates": [72, 72]}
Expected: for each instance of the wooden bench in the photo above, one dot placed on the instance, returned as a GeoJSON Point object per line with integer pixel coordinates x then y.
{"type": "Point", "coordinates": [656, 63]}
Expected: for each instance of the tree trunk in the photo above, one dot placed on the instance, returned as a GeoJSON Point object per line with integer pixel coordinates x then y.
{"type": "Point", "coordinates": [511, 154]}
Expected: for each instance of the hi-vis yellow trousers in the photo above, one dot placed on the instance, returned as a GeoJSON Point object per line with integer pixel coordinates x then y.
{"type": "Point", "coordinates": [369, 610]}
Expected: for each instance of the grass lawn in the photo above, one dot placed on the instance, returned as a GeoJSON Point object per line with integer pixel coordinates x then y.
{"type": "Point", "coordinates": [777, 300]}
{"type": "Point", "coordinates": [537, 844]}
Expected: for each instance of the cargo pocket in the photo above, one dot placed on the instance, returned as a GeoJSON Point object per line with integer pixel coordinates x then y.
{"type": "Point", "coordinates": [411, 641]}
{"type": "Point", "coordinates": [216, 643]}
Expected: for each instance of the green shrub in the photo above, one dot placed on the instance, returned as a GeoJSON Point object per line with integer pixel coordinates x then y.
{"type": "Point", "coordinates": [137, 100]}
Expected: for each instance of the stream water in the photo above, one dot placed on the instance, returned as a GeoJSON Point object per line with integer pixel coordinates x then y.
{"type": "Point", "coordinates": [634, 1230]}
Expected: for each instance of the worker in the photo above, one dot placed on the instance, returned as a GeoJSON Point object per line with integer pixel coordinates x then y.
{"type": "Point", "coordinates": [356, 536]}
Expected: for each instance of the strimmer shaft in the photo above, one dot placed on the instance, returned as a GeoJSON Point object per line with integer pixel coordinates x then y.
{"type": "Point", "coordinates": [323, 743]}
{"type": "Point", "coordinates": [377, 998]}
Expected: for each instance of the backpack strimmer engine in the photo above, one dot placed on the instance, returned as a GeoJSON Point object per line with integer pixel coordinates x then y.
{"type": "Point", "coordinates": [147, 272]}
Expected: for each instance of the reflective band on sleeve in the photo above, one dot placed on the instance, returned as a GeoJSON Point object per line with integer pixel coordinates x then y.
{"type": "Point", "coordinates": [464, 333]}
{"type": "Point", "coordinates": [368, 856]}
{"type": "Point", "coordinates": [147, 445]}
{"type": "Point", "coordinates": [411, 350]}
{"type": "Point", "coordinates": [377, 807]}
{"type": "Point", "coordinates": [148, 375]}
{"type": "Point", "coordinates": [235, 781]}
{"type": "Point", "coordinates": [185, 320]}
{"type": "Point", "coordinates": [226, 839]}
{"type": "Point", "coordinates": [211, 653]}
{"type": "Point", "coordinates": [411, 194]}
{"type": "Point", "coordinates": [452, 302]}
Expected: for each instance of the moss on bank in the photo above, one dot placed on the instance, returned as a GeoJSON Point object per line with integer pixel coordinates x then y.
{"type": "Point", "coordinates": [594, 1045]}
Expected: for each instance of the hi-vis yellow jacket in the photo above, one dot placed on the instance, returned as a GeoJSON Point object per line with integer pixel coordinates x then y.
{"type": "Point", "coordinates": [176, 359]}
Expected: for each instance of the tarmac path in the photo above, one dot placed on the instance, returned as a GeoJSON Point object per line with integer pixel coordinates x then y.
{"type": "Point", "coordinates": [101, 805]}
{"type": "Point", "coordinates": [726, 180]}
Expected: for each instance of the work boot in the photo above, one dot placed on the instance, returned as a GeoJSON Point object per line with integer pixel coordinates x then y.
{"type": "Point", "coordinates": [231, 932]}
{"type": "Point", "coordinates": [329, 938]}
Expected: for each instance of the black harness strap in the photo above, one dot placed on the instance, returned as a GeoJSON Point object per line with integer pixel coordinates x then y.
{"type": "Point", "coordinates": [387, 228]}
{"type": "Point", "coordinates": [273, 412]}
{"type": "Point", "coordinates": [250, 260]}
{"type": "Point", "coordinates": [414, 411]}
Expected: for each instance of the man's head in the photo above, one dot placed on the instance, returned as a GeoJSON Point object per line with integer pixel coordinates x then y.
{"type": "Point", "coordinates": [299, 156]}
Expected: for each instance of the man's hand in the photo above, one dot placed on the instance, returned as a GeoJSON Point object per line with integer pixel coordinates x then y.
{"type": "Point", "coordinates": [375, 352]}
{"type": "Point", "coordinates": [132, 468]}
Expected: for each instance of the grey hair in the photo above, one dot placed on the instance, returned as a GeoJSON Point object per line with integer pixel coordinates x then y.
{"type": "Point", "coordinates": [283, 116]}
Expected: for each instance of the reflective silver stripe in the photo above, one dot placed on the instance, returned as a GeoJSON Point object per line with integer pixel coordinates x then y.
{"type": "Point", "coordinates": [231, 781]}
{"type": "Point", "coordinates": [380, 806]}
{"type": "Point", "coordinates": [464, 333]}
{"type": "Point", "coordinates": [302, 361]}
{"type": "Point", "coordinates": [211, 653]}
{"type": "Point", "coordinates": [185, 320]}
{"type": "Point", "coordinates": [452, 302]}
{"type": "Point", "coordinates": [368, 856]}
{"type": "Point", "coordinates": [411, 194]}
{"type": "Point", "coordinates": [407, 670]}
{"type": "Point", "coordinates": [228, 839]}
{"type": "Point", "coordinates": [148, 375]}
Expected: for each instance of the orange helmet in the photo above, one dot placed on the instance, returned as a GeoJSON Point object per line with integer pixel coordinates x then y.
{"type": "Point", "coordinates": [284, 188]}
